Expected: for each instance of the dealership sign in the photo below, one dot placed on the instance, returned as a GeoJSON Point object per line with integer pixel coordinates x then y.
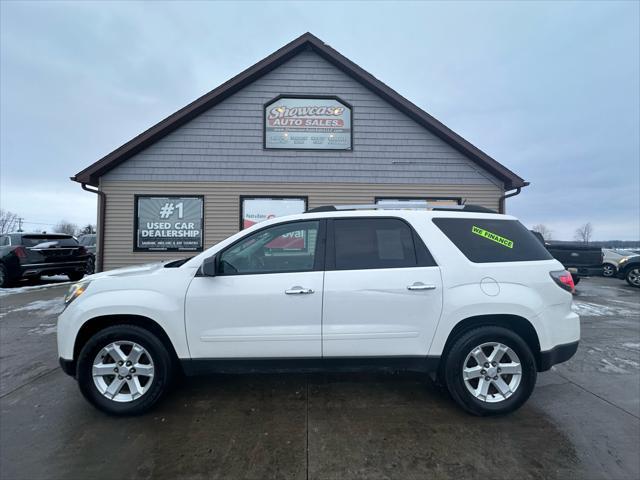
{"type": "Point", "coordinates": [169, 223]}
{"type": "Point", "coordinates": [308, 124]}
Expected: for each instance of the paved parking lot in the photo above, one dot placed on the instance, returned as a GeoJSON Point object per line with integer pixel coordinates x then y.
{"type": "Point", "coordinates": [583, 420]}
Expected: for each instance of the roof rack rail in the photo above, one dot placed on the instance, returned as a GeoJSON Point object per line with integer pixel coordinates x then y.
{"type": "Point", "coordinates": [402, 206]}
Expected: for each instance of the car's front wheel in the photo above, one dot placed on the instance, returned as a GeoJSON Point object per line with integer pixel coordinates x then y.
{"type": "Point", "coordinates": [490, 370]}
{"type": "Point", "coordinates": [633, 277]}
{"type": "Point", "coordinates": [124, 370]}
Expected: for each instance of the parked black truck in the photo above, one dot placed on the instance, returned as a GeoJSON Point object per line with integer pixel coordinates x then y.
{"type": "Point", "coordinates": [30, 255]}
{"type": "Point", "coordinates": [581, 259]}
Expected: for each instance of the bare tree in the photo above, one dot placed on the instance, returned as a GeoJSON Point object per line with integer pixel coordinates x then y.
{"type": "Point", "coordinates": [8, 221]}
{"type": "Point", "coordinates": [88, 228]}
{"type": "Point", "coordinates": [543, 230]}
{"type": "Point", "coordinates": [584, 233]}
{"type": "Point", "coordinates": [67, 227]}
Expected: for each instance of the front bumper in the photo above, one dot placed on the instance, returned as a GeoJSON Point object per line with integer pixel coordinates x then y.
{"type": "Point", "coordinates": [68, 366]}
{"type": "Point", "coordinates": [558, 354]}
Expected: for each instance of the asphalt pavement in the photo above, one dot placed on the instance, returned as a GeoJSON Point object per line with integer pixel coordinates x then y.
{"type": "Point", "coordinates": [582, 421]}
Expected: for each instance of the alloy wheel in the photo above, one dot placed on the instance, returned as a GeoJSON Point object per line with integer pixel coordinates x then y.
{"type": "Point", "coordinates": [634, 277]}
{"type": "Point", "coordinates": [123, 371]}
{"type": "Point", "coordinates": [608, 270]}
{"type": "Point", "coordinates": [492, 372]}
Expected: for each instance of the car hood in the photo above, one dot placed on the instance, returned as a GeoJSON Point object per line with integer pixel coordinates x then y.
{"type": "Point", "coordinates": [128, 271]}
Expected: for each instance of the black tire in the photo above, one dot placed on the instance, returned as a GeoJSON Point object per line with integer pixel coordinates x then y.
{"type": "Point", "coordinates": [454, 363]}
{"type": "Point", "coordinates": [90, 268]}
{"type": "Point", "coordinates": [633, 277]}
{"type": "Point", "coordinates": [162, 361]}
{"type": "Point", "coordinates": [609, 270]}
{"type": "Point", "coordinates": [75, 276]}
{"type": "Point", "coordinates": [576, 279]}
{"type": "Point", "coordinates": [5, 279]}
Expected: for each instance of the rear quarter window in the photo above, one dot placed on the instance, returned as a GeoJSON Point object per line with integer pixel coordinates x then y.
{"type": "Point", "coordinates": [489, 240]}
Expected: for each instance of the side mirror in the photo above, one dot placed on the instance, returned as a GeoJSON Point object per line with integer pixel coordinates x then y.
{"type": "Point", "coordinates": [209, 266]}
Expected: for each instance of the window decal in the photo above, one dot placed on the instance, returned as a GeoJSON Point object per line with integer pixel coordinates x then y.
{"type": "Point", "coordinates": [505, 242]}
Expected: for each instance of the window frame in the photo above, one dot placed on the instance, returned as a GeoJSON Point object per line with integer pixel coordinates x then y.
{"type": "Point", "coordinates": [423, 255]}
{"type": "Point", "coordinates": [319, 254]}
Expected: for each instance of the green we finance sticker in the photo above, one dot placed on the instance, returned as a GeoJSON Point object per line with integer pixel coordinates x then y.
{"type": "Point", "coordinates": [505, 242]}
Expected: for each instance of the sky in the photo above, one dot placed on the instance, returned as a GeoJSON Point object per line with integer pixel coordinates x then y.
{"type": "Point", "coordinates": [549, 89]}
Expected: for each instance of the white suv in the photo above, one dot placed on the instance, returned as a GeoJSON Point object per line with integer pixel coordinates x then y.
{"type": "Point", "coordinates": [471, 298]}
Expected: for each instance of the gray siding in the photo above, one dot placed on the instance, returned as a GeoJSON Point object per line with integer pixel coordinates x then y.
{"type": "Point", "coordinates": [226, 142]}
{"type": "Point", "coordinates": [222, 206]}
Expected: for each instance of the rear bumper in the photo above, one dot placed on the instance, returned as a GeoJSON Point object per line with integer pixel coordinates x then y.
{"type": "Point", "coordinates": [593, 271]}
{"type": "Point", "coordinates": [558, 354]}
{"type": "Point", "coordinates": [28, 270]}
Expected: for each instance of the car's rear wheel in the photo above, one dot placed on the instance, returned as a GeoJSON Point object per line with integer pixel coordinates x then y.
{"type": "Point", "coordinates": [490, 370]}
{"type": "Point", "coordinates": [633, 277]}
{"type": "Point", "coordinates": [608, 270]}
{"type": "Point", "coordinates": [124, 370]}
{"type": "Point", "coordinates": [90, 268]}
{"type": "Point", "coordinates": [5, 280]}
{"type": "Point", "coordinates": [75, 276]}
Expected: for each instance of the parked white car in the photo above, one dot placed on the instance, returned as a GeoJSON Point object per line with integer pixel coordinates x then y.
{"type": "Point", "coordinates": [611, 259]}
{"type": "Point", "coordinates": [472, 298]}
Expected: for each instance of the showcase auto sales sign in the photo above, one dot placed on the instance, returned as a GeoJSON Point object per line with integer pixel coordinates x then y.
{"type": "Point", "coordinates": [308, 123]}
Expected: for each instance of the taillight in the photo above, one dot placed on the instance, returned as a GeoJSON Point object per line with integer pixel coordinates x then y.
{"type": "Point", "coordinates": [564, 280]}
{"type": "Point", "coordinates": [20, 252]}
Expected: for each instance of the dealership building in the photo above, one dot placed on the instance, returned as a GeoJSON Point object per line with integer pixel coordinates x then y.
{"type": "Point", "coordinates": [302, 128]}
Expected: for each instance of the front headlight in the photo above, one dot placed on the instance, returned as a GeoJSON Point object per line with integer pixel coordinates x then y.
{"type": "Point", "coordinates": [623, 260]}
{"type": "Point", "coordinates": [75, 291]}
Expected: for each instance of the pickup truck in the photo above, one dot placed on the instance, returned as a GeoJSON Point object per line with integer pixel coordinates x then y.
{"type": "Point", "coordinates": [30, 255]}
{"type": "Point", "coordinates": [580, 259]}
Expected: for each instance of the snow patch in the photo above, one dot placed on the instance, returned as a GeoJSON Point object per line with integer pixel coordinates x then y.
{"type": "Point", "coordinates": [597, 310]}
{"type": "Point", "coordinates": [633, 346]}
{"type": "Point", "coordinates": [41, 307]}
{"type": "Point", "coordinates": [43, 329]}
{"type": "Point", "coordinates": [11, 291]}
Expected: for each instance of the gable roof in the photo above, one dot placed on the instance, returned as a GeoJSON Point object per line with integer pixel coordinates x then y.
{"type": "Point", "coordinates": [91, 174]}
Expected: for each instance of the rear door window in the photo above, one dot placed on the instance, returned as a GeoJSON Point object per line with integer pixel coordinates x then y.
{"type": "Point", "coordinates": [492, 240]}
{"type": "Point", "coordinates": [366, 243]}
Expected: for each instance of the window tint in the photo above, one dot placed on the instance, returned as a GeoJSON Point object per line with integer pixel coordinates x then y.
{"type": "Point", "coordinates": [362, 243]}
{"type": "Point", "coordinates": [484, 240]}
{"type": "Point", "coordinates": [282, 248]}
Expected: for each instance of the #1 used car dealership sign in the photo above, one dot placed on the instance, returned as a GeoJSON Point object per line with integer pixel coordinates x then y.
{"type": "Point", "coordinates": [307, 123]}
{"type": "Point", "coordinates": [168, 223]}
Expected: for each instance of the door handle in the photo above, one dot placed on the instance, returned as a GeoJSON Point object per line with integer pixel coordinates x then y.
{"type": "Point", "coordinates": [421, 286]}
{"type": "Point", "coordinates": [298, 291]}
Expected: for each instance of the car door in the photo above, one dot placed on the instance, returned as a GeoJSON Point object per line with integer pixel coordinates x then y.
{"type": "Point", "coordinates": [382, 290]}
{"type": "Point", "coordinates": [266, 297]}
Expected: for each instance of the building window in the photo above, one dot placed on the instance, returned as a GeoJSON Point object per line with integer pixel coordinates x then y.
{"type": "Point", "coordinates": [168, 223]}
{"type": "Point", "coordinates": [440, 201]}
{"type": "Point", "coordinates": [258, 209]}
